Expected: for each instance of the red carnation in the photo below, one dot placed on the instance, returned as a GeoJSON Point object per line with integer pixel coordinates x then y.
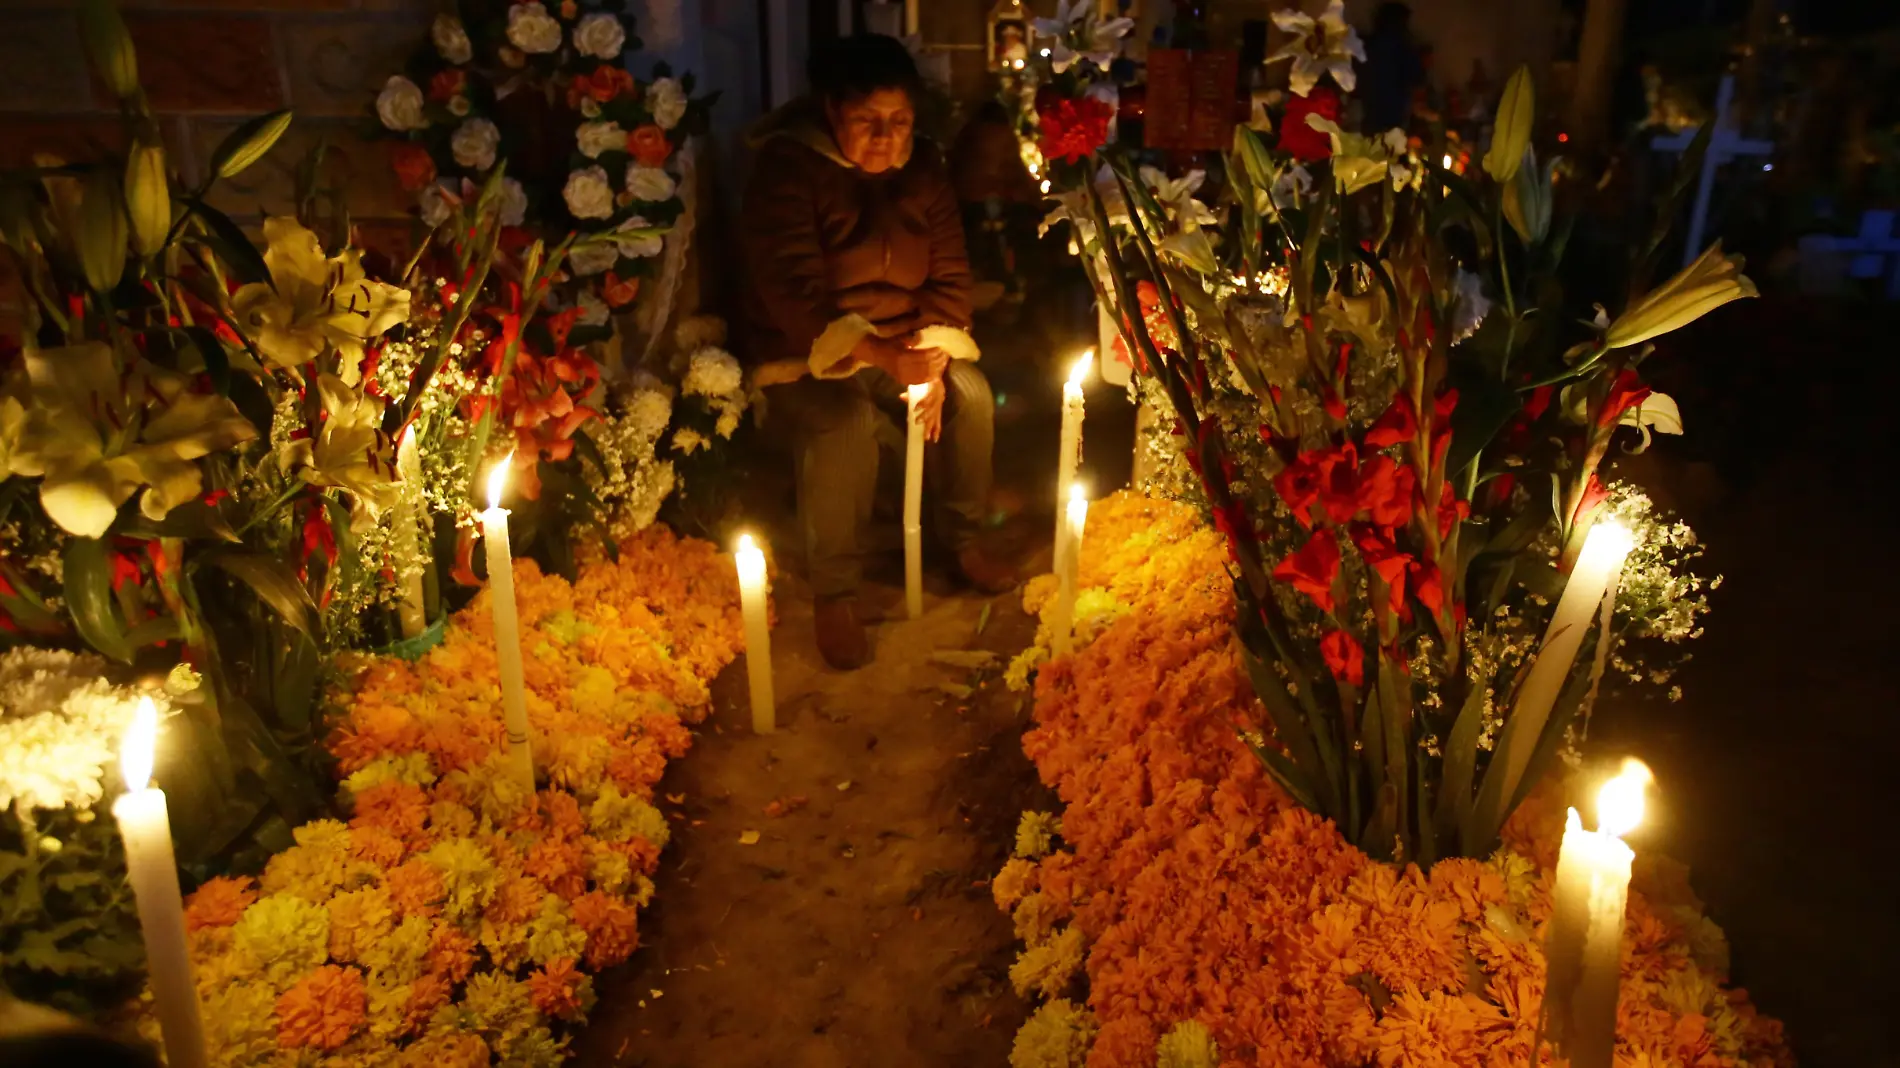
{"type": "Point", "coordinates": [447, 85]}
{"type": "Point", "coordinates": [1301, 140]}
{"type": "Point", "coordinates": [1345, 657]}
{"type": "Point", "coordinates": [1073, 128]}
{"type": "Point", "coordinates": [413, 166]}
{"type": "Point", "coordinates": [1313, 568]}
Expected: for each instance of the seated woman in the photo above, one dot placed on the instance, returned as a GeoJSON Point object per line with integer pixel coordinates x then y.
{"type": "Point", "coordinates": [859, 286]}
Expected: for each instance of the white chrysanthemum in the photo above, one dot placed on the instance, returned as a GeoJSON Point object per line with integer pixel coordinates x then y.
{"type": "Point", "coordinates": [60, 728]}
{"type": "Point", "coordinates": [728, 421]}
{"type": "Point", "coordinates": [474, 144]}
{"type": "Point", "coordinates": [588, 195]}
{"type": "Point", "coordinates": [532, 29]}
{"type": "Point", "coordinates": [650, 184]}
{"type": "Point", "coordinates": [597, 137]}
{"type": "Point", "coordinates": [399, 105]}
{"type": "Point", "coordinates": [451, 40]}
{"type": "Point", "coordinates": [648, 413]}
{"type": "Point", "coordinates": [666, 102]}
{"type": "Point", "coordinates": [688, 441]}
{"type": "Point", "coordinates": [601, 36]}
{"type": "Point", "coordinates": [712, 372]}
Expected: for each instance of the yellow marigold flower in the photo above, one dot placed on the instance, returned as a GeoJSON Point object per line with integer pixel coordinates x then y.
{"type": "Point", "coordinates": [1188, 1044]}
{"type": "Point", "coordinates": [1035, 833]}
{"type": "Point", "coordinates": [616, 818]}
{"type": "Point", "coordinates": [286, 935]}
{"type": "Point", "coordinates": [240, 1021]}
{"type": "Point", "coordinates": [468, 876]}
{"type": "Point", "coordinates": [322, 1010]}
{"type": "Point", "coordinates": [607, 868]}
{"type": "Point", "coordinates": [450, 820]}
{"type": "Point", "coordinates": [534, 1048]}
{"type": "Point", "coordinates": [499, 1005]}
{"type": "Point", "coordinates": [1048, 967]}
{"type": "Point", "coordinates": [447, 1050]}
{"type": "Point", "coordinates": [552, 934]}
{"type": "Point", "coordinates": [1034, 918]}
{"type": "Point", "coordinates": [412, 768]}
{"type": "Point", "coordinates": [506, 943]}
{"type": "Point", "coordinates": [578, 762]}
{"type": "Point", "coordinates": [1012, 883]}
{"type": "Point", "coordinates": [1057, 1036]}
{"type": "Point", "coordinates": [491, 788]}
{"type": "Point", "coordinates": [358, 920]}
{"type": "Point", "coordinates": [401, 955]}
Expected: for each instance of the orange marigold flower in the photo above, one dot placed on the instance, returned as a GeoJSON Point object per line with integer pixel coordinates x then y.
{"type": "Point", "coordinates": [415, 889]}
{"type": "Point", "coordinates": [322, 1010]}
{"type": "Point", "coordinates": [376, 845]}
{"type": "Point", "coordinates": [220, 901]}
{"type": "Point", "coordinates": [612, 928]}
{"type": "Point", "coordinates": [400, 808]}
{"type": "Point", "coordinates": [451, 953]}
{"type": "Point", "coordinates": [557, 990]}
{"type": "Point", "coordinates": [559, 865]}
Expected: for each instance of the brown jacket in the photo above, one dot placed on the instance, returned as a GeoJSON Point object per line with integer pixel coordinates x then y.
{"type": "Point", "coordinates": [833, 253]}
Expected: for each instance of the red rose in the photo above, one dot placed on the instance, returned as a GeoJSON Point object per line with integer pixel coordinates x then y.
{"type": "Point", "coordinates": [1345, 657]}
{"type": "Point", "coordinates": [1626, 392]}
{"type": "Point", "coordinates": [619, 293]}
{"type": "Point", "coordinates": [413, 166]}
{"type": "Point", "coordinates": [648, 145]}
{"type": "Point", "coordinates": [605, 83]}
{"type": "Point", "coordinates": [1301, 140]}
{"type": "Point", "coordinates": [1073, 128]}
{"type": "Point", "coordinates": [1313, 568]}
{"type": "Point", "coordinates": [447, 85]}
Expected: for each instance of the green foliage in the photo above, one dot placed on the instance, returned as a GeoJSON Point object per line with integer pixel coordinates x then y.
{"type": "Point", "coordinates": [69, 935]}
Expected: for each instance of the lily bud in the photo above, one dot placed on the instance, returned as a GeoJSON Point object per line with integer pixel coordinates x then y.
{"type": "Point", "coordinates": [1527, 200]}
{"type": "Point", "coordinates": [1512, 131]}
{"type": "Point", "coordinates": [1711, 281]}
{"type": "Point", "coordinates": [109, 47]}
{"type": "Point", "coordinates": [148, 198]}
{"type": "Point", "coordinates": [100, 241]}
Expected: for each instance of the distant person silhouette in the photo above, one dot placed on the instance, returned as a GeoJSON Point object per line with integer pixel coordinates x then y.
{"type": "Point", "coordinates": [1391, 71]}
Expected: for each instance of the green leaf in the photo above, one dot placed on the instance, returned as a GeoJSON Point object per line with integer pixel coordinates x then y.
{"type": "Point", "coordinates": [1512, 132]}
{"type": "Point", "coordinates": [273, 582]}
{"type": "Point", "coordinates": [228, 240]}
{"type": "Point", "coordinates": [1293, 732]}
{"type": "Point", "coordinates": [1286, 773]}
{"type": "Point", "coordinates": [88, 570]}
{"type": "Point", "coordinates": [1395, 697]}
{"type": "Point", "coordinates": [1485, 407]}
{"type": "Point", "coordinates": [151, 632]}
{"type": "Point", "coordinates": [248, 143]}
{"type": "Point", "coordinates": [217, 362]}
{"type": "Point", "coordinates": [1461, 761]}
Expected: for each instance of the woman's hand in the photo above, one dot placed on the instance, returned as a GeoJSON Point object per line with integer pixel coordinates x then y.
{"type": "Point", "coordinates": [930, 409]}
{"type": "Point", "coordinates": [896, 358]}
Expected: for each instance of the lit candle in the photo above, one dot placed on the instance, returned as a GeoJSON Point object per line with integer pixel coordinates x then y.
{"type": "Point", "coordinates": [914, 504]}
{"type": "Point", "coordinates": [1602, 558]}
{"type": "Point", "coordinates": [1068, 570]}
{"type": "Point", "coordinates": [1584, 939]}
{"type": "Point", "coordinates": [145, 827]}
{"type": "Point", "coordinates": [1071, 452]}
{"type": "Point", "coordinates": [758, 639]}
{"type": "Point", "coordinates": [501, 602]}
{"type": "Point", "coordinates": [409, 530]}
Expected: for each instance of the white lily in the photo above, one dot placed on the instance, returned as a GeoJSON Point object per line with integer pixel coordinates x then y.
{"type": "Point", "coordinates": [1358, 161]}
{"type": "Point", "coordinates": [1074, 206]}
{"type": "Point", "coordinates": [1177, 196]}
{"type": "Point", "coordinates": [94, 437]}
{"type": "Point", "coordinates": [1076, 33]}
{"type": "Point", "coordinates": [349, 451]}
{"type": "Point", "coordinates": [1320, 46]}
{"type": "Point", "coordinates": [1657, 412]}
{"type": "Point", "coordinates": [312, 303]}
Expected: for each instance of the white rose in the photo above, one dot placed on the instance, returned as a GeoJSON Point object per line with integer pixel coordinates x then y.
{"type": "Point", "coordinates": [399, 105]}
{"type": "Point", "coordinates": [474, 144]}
{"type": "Point", "coordinates": [637, 247]}
{"type": "Point", "coordinates": [598, 137]}
{"type": "Point", "coordinates": [532, 29]}
{"type": "Point", "coordinates": [436, 203]}
{"type": "Point", "coordinates": [512, 202]}
{"type": "Point", "coordinates": [592, 259]}
{"type": "Point", "coordinates": [588, 195]}
{"type": "Point", "coordinates": [594, 311]}
{"type": "Point", "coordinates": [600, 36]}
{"type": "Point", "coordinates": [649, 183]}
{"type": "Point", "coordinates": [666, 101]}
{"type": "Point", "coordinates": [451, 40]}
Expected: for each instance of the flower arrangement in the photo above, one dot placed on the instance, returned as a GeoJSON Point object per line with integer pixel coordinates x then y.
{"type": "Point", "coordinates": [1213, 920]}
{"type": "Point", "coordinates": [543, 89]}
{"type": "Point", "coordinates": [450, 918]}
{"type": "Point", "coordinates": [1396, 416]}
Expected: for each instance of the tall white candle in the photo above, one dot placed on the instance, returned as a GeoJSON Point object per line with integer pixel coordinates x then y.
{"type": "Point", "coordinates": [914, 504]}
{"type": "Point", "coordinates": [501, 603]}
{"type": "Point", "coordinates": [409, 512]}
{"type": "Point", "coordinates": [145, 827]}
{"type": "Point", "coordinates": [750, 562]}
{"type": "Point", "coordinates": [1071, 450]}
{"type": "Point", "coordinates": [1584, 940]}
{"type": "Point", "coordinates": [1602, 557]}
{"type": "Point", "coordinates": [1068, 572]}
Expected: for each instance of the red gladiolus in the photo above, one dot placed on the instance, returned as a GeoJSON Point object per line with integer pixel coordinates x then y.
{"type": "Point", "coordinates": [1073, 128]}
{"type": "Point", "coordinates": [125, 570]}
{"type": "Point", "coordinates": [1428, 586]}
{"type": "Point", "coordinates": [1345, 657]}
{"type": "Point", "coordinates": [1298, 485]}
{"type": "Point", "coordinates": [1313, 568]}
{"type": "Point", "coordinates": [1388, 563]}
{"type": "Point", "coordinates": [1339, 481]}
{"type": "Point", "coordinates": [1538, 402]}
{"type": "Point", "coordinates": [1397, 426]}
{"type": "Point", "coordinates": [1594, 494]}
{"type": "Point", "coordinates": [561, 324]}
{"type": "Point", "coordinates": [1450, 510]}
{"type": "Point", "coordinates": [1626, 392]}
{"type": "Point", "coordinates": [1300, 140]}
{"type": "Point", "coordinates": [1441, 424]}
{"type": "Point", "coordinates": [1385, 491]}
{"type": "Point", "coordinates": [413, 165]}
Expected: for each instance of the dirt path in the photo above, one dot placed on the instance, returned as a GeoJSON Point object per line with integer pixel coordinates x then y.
{"type": "Point", "coordinates": [857, 929]}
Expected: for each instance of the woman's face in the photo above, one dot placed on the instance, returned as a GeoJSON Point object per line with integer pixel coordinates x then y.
{"type": "Point", "coordinates": [874, 131]}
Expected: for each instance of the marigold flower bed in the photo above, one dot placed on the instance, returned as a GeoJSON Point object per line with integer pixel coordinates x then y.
{"type": "Point", "coordinates": [1209, 912]}
{"type": "Point", "coordinates": [450, 921]}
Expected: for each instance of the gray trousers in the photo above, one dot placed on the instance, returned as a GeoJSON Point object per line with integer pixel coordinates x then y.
{"type": "Point", "coordinates": [836, 427]}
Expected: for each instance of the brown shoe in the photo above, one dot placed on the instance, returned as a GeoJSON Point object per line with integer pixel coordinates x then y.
{"type": "Point", "coordinates": [841, 638]}
{"type": "Point", "coordinates": [986, 573]}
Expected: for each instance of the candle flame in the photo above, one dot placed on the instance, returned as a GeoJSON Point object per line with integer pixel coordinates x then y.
{"type": "Point", "coordinates": [1447, 163]}
{"type": "Point", "coordinates": [1620, 802]}
{"type": "Point", "coordinates": [1080, 369]}
{"type": "Point", "coordinates": [745, 544]}
{"type": "Point", "coordinates": [135, 752]}
{"type": "Point", "coordinates": [498, 479]}
{"type": "Point", "coordinates": [917, 392]}
{"type": "Point", "coordinates": [1608, 541]}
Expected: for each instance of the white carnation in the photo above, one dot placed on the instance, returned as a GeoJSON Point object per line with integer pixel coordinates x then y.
{"type": "Point", "coordinates": [712, 372]}
{"type": "Point", "coordinates": [597, 137]}
{"type": "Point", "coordinates": [666, 102]}
{"type": "Point", "coordinates": [587, 193]}
{"type": "Point", "coordinates": [649, 184]}
{"type": "Point", "coordinates": [592, 258]}
{"type": "Point", "coordinates": [399, 105]}
{"type": "Point", "coordinates": [474, 144]}
{"type": "Point", "coordinates": [600, 36]}
{"type": "Point", "coordinates": [637, 247]}
{"type": "Point", "coordinates": [532, 29]}
{"type": "Point", "coordinates": [594, 311]}
{"type": "Point", "coordinates": [451, 40]}
{"type": "Point", "coordinates": [437, 203]}
{"type": "Point", "coordinates": [512, 201]}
